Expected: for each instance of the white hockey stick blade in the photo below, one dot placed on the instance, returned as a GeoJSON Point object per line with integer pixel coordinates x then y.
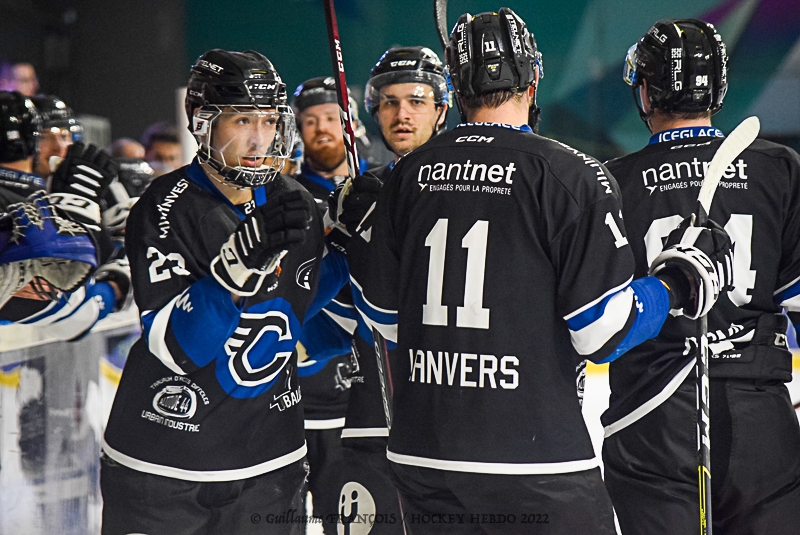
{"type": "Point", "coordinates": [731, 148]}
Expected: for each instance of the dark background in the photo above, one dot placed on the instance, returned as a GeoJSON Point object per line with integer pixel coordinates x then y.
{"type": "Point", "coordinates": [124, 60]}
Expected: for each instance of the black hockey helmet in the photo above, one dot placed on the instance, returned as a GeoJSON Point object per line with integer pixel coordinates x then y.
{"type": "Point", "coordinates": [685, 64]}
{"type": "Point", "coordinates": [319, 90]}
{"type": "Point", "coordinates": [19, 127]}
{"type": "Point", "coordinates": [244, 82]}
{"type": "Point", "coordinates": [56, 114]}
{"type": "Point", "coordinates": [406, 64]}
{"type": "Point", "coordinates": [322, 90]}
{"type": "Point", "coordinates": [491, 51]}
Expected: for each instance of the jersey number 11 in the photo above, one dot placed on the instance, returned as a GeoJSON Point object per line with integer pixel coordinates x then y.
{"type": "Point", "coordinates": [472, 314]}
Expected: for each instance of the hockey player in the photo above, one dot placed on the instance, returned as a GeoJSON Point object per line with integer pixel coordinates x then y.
{"type": "Point", "coordinates": [206, 430]}
{"type": "Point", "coordinates": [326, 338]}
{"type": "Point", "coordinates": [59, 130]}
{"type": "Point", "coordinates": [678, 75]}
{"type": "Point", "coordinates": [74, 311]}
{"type": "Point", "coordinates": [499, 264]}
{"type": "Point", "coordinates": [407, 96]}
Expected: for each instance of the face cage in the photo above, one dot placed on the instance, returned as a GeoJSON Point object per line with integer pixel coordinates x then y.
{"type": "Point", "coordinates": [245, 177]}
{"type": "Point", "coordinates": [372, 91]}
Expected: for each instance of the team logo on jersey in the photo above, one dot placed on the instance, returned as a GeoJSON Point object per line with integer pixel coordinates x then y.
{"type": "Point", "coordinates": [245, 359]}
{"type": "Point", "coordinates": [176, 402]}
{"type": "Point", "coordinates": [356, 510]}
{"type": "Point", "coordinates": [303, 275]}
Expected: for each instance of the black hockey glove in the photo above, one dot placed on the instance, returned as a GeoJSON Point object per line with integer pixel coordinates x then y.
{"type": "Point", "coordinates": [81, 180]}
{"type": "Point", "coordinates": [117, 271]}
{"type": "Point", "coordinates": [696, 265]}
{"type": "Point", "coordinates": [258, 244]}
{"type": "Point", "coordinates": [349, 205]}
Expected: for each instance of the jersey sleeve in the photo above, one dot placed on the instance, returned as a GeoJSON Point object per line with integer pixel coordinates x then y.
{"type": "Point", "coordinates": [606, 311]}
{"type": "Point", "coordinates": [375, 270]}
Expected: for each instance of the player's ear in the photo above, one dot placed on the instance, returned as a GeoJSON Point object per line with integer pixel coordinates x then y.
{"type": "Point", "coordinates": [442, 116]}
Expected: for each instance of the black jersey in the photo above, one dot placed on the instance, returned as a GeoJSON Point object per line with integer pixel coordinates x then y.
{"type": "Point", "coordinates": [757, 202]}
{"type": "Point", "coordinates": [326, 338]}
{"type": "Point", "coordinates": [210, 391]}
{"type": "Point", "coordinates": [498, 264]}
{"type": "Point", "coordinates": [365, 418]}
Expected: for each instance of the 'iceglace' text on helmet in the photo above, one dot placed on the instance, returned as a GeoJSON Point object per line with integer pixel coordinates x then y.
{"type": "Point", "coordinates": [685, 64]}
{"type": "Point", "coordinates": [223, 82]}
{"type": "Point", "coordinates": [406, 64]}
{"type": "Point", "coordinates": [490, 52]}
{"type": "Point", "coordinates": [19, 127]}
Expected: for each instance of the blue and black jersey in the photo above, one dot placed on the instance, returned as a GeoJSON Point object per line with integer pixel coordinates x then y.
{"type": "Point", "coordinates": [498, 264]}
{"type": "Point", "coordinates": [210, 392]}
{"type": "Point", "coordinates": [758, 204]}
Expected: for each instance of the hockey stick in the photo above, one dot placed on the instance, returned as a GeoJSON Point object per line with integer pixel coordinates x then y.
{"type": "Point", "coordinates": [440, 16]}
{"type": "Point", "coordinates": [738, 140]}
{"type": "Point", "coordinates": [381, 352]}
{"type": "Point", "coordinates": [341, 89]}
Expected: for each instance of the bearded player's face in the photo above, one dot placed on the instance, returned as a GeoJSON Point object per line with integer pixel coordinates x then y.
{"type": "Point", "coordinates": [323, 139]}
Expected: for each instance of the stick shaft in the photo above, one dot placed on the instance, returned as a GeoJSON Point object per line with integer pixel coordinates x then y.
{"type": "Point", "coordinates": [337, 63]}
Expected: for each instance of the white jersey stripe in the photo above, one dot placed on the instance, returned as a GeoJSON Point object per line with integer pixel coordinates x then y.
{"type": "Point", "coordinates": [587, 306]}
{"type": "Point", "coordinates": [511, 469]}
{"type": "Point", "coordinates": [365, 432]}
{"type": "Point", "coordinates": [156, 342]}
{"type": "Point", "coordinates": [333, 423]}
{"type": "Point", "coordinates": [592, 337]}
{"type": "Point", "coordinates": [651, 404]}
{"type": "Point", "coordinates": [203, 476]}
{"type": "Point", "coordinates": [347, 324]}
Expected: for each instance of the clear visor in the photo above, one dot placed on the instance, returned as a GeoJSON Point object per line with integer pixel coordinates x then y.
{"type": "Point", "coordinates": [433, 86]}
{"type": "Point", "coordinates": [629, 71]}
{"type": "Point", "coordinates": [249, 141]}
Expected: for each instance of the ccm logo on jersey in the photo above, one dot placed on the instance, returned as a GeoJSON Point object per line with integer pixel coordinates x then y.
{"type": "Point", "coordinates": [474, 139]}
{"type": "Point", "coordinates": [468, 370]}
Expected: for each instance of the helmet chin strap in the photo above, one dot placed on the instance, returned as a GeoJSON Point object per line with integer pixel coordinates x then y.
{"type": "Point", "coordinates": [645, 117]}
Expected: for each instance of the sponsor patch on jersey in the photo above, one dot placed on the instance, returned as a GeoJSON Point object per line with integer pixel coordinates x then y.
{"type": "Point", "coordinates": [467, 176]}
{"type": "Point", "coordinates": [176, 402]}
{"type": "Point", "coordinates": [690, 174]}
{"type": "Point", "coordinates": [289, 397]}
{"type": "Point", "coordinates": [602, 179]}
{"type": "Point", "coordinates": [166, 206]}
